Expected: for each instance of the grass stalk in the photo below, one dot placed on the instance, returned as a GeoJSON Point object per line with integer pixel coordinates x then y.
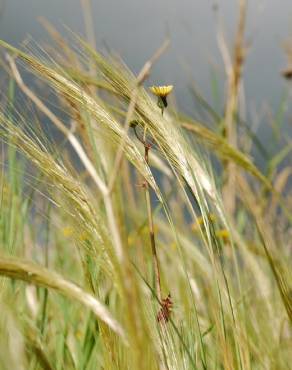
{"type": "Point", "coordinates": [234, 78]}
{"type": "Point", "coordinates": [151, 232]}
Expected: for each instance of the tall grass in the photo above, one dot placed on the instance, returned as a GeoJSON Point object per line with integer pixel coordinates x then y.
{"type": "Point", "coordinates": [79, 278]}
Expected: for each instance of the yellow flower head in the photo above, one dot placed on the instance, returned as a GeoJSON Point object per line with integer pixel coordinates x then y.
{"type": "Point", "coordinates": [161, 91]}
{"type": "Point", "coordinates": [68, 231]}
{"type": "Point", "coordinates": [223, 234]}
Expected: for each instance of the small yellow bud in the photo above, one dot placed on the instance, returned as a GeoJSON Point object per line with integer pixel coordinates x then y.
{"type": "Point", "coordinates": [161, 92]}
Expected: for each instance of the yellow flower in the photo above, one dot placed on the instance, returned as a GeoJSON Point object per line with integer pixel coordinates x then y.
{"type": "Point", "coordinates": [161, 91]}
{"type": "Point", "coordinates": [200, 221]}
{"type": "Point", "coordinates": [223, 234]}
{"type": "Point", "coordinates": [68, 231]}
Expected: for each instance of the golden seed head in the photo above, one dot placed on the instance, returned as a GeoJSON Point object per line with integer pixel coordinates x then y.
{"type": "Point", "coordinates": [161, 91]}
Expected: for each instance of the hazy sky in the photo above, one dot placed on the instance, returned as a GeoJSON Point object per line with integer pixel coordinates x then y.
{"type": "Point", "coordinates": [135, 28]}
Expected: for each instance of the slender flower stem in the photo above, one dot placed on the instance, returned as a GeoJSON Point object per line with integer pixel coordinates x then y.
{"type": "Point", "coordinates": [151, 228]}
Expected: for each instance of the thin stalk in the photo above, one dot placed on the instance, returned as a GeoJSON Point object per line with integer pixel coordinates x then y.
{"type": "Point", "coordinates": [46, 292]}
{"type": "Point", "coordinates": [151, 227]}
{"type": "Point", "coordinates": [234, 72]}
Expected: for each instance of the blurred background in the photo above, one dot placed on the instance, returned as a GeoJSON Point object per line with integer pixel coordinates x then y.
{"type": "Point", "coordinates": [135, 29]}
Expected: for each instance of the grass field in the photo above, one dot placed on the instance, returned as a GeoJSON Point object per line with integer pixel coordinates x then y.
{"type": "Point", "coordinates": [132, 236]}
